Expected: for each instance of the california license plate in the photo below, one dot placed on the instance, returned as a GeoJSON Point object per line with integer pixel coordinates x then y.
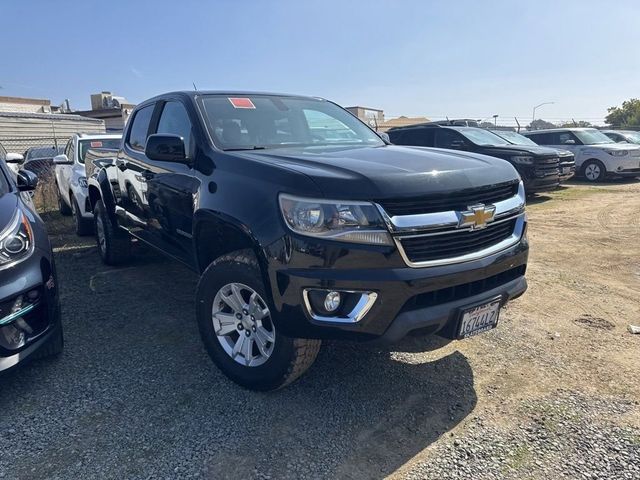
{"type": "Point", "coordinates": [479, 319]}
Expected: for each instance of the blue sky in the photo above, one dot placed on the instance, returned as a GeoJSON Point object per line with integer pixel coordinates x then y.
{"type": "Point", "coordinates": [433, 58]}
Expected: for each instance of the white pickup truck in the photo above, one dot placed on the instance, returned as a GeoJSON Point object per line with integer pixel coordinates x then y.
{"type": "Point", "coordinates": [71, 178]}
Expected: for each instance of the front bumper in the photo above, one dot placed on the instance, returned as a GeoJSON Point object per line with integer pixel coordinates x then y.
{"type": "Point", "coordinates": [408, 299]}
{"type": "Point", "coordinates": [36, 274]}
{"type": "Point", "coordinates": [539, 178]}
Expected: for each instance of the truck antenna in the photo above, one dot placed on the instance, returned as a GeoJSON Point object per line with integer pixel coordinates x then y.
{"type": "Point", "coordinates": [194, 86]}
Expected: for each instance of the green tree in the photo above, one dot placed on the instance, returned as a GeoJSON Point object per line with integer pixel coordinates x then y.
{"type": "Point", "coordinates": [627, 114]}
{"type": "Point", "coordinates": [579, 123]}
{"type": "Point", "coordinates": [539, 124]}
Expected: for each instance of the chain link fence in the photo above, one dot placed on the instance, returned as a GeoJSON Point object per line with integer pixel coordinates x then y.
{"type": "Point", "coordinates": [38, 153]}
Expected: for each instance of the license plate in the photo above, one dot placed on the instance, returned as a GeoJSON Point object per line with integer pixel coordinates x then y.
{"type": "Point", "coordinates": [566, 170]}
{"type": "Point", "coordinates": [479, 319]}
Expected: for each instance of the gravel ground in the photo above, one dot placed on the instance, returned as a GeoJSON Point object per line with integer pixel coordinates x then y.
{"type": "Point", "coordinates": [549, 394]}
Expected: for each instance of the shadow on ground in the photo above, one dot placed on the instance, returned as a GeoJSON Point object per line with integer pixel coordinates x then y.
{"type": "Point", "coordinates": [135, 395]}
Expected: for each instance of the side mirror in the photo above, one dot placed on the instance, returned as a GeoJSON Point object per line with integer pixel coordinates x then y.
{"type": "Point", "coordinates": [385, 136]}
{"type": "Point", "coordinates": [14, 158]}
{"type": "Point", "coordinates": [165, 148]}
{"type": "Point", "coordinates": [27, 181]}
{"type": "Point", "coordinates": [569, 142]}
{"type": "Point", "coordinates": [458, 145]}
{"type": "Point", "coordinates": [62, 160]}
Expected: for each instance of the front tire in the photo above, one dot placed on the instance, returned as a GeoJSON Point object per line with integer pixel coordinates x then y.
{"type": "Point", "coordinates": [114, 245]}
{"type": "Point", "coordinates": [594, 171]}
{"type": "Point", "coordinates": [64, 209]}
{"type": "Point", "coordinates": [83, 225]}
{"type": "Point", "coordinates": [234, 317]}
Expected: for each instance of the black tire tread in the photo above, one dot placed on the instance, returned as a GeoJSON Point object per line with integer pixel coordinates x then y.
{"type": "Point", "coordinates": [118, 244]}
{"type": "Point", "coordinates": [84, 226]}
{"type": "Point", "coordinates": [305, 350]}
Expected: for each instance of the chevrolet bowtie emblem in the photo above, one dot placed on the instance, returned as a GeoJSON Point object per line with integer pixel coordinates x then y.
{"type": "Point", "coordinates": [477, 216]}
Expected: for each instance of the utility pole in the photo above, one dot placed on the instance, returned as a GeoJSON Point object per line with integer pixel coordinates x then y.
{"type": "Point", "coordinates": [533, 116]}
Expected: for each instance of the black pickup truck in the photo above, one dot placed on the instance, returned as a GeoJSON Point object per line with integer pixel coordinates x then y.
{"type": "Point", "coordinates": [305, 225]}
{"type": "Point", "coordinates": [538, 166]}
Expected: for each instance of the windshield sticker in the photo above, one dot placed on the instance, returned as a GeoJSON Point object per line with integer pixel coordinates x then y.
{"type": "Point", "coordinates": [95, 144]}
{"type": "Point", "coordinates": [242, 103]}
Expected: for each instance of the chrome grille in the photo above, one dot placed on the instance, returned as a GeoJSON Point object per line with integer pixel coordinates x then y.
{"type": "Point", "coordinates": [446, 237]}
{"type": "Point", "coordinates": [455, 243]}
{"type": "Point", "coordinates": [449, 201]}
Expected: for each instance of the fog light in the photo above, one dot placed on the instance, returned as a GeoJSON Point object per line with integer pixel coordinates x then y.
{"type": "Point", "coordinates": [332, 301]}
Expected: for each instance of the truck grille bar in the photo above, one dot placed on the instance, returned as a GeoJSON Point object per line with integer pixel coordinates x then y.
{"type": "Point", "coordinates": [437, 238]}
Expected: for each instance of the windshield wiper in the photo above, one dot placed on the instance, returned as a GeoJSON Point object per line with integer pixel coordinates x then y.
{"type": "Point", "coordinates": [255, 147]}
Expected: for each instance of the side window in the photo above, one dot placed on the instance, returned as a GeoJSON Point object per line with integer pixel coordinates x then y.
{"type": "Point", "coordinates": [420, 137]}
{"type": "Point", "coordinates": [72, 151]}
{"type": "Point", "coordinates": [175, 120]}
{"type": "Point", "coordinates": [140, 128]}
{"type": "Point", "coordinates": [565, 138]}
{"type": "Point", "coordinates": [543, 138]}
{"type": "Point", "coordinates": [446, 138]}
{"type": "Point", "coordinates": [67, 148]}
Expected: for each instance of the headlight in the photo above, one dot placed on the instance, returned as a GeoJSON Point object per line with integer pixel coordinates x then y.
{"type": "Point", "coordinates": [356, 222]}
{"type": "Point", "coordinates": [618, 153]}
{"type": "Point", "coordinates": [522, 159]}
{"type": "Point", "coordinates": [16, 241]}
{"type": "Point", "coordinates": [82, 181]}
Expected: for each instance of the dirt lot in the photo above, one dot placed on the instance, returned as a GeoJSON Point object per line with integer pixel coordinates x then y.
{"type": "Point", "coordinates": [553, 392]}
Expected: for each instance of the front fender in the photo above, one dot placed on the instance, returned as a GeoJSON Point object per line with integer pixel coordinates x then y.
{"type": "Point", "coordinates": [100, 182]}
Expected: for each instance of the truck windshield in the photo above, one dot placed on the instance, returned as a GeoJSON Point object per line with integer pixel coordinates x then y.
{"type": "Point", "coordinates": [110, 143]}
{"type": "Point", "coordinates": [270, 121]}
{"type": "Point", "coordinates": [592, 137]}
{"type": "Point", "coordinates": [482, 137]}
{"type": "Point", "coordinates": [515, 137]}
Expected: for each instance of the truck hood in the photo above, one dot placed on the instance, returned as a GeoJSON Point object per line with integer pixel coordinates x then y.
{"type": "Point", "coordinates": [364, 173]}
{"type": "Point", "coordinates": [8, 203]}
{"type": "Point", "coordinates": [507, 150]}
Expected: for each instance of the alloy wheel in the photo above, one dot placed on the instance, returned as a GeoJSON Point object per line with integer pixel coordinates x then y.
{"type": "Point", "coordinates": [592, 172]}
{"type": "Point", "coordinates": [242, 324]}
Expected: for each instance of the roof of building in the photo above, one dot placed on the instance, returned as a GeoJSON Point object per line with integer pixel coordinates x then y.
{"type": "Point", "coordinates": [365, 108]}
{"type": "Point", "coordinates": [403, 122]}
{"type": "Point", "coordinates": [50, 116]}
{"type": "Point", "coordinates": [29, 101]}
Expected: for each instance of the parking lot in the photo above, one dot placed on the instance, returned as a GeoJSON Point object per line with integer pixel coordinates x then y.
{"type": "Point", "coordinates": [551, 393]}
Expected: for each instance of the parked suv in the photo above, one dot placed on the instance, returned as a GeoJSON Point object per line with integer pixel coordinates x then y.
{"type": "Point", "coordinates": [623, 136]}
{"type": "Point", "coordinates": [567, 160]}
{"type": "Point", "coordinates": [538, 167]}
{"type": "Point", "coordinates": [29, 305]}
{"type": "Point", "coordinates": [71, 179]}
{"type": "Point", "coordinates": [597, 156]}
{"type": "Point", "coordinates": [305, 225]}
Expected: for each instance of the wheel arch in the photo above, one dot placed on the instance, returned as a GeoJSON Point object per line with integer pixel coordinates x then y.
{"type": "Point", "coordinates": [216, 234]}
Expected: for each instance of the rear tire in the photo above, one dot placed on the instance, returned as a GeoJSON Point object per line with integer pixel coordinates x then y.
{"type": "Point", "coordinates": [64, 209]}
{"type": "Point", "coordinates": [114, 245]}
{"type": "Point", "coordinates": [272, 360]}
{"type": "Point", "coordinates": [594, 171]}
{"type": "Point", "coordinates": [84, 226]}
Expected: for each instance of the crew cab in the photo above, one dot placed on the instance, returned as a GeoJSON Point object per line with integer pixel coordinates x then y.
{"type": "Point", "coordinates": [538, 166]}
{"type": "Point", "coordinates": [71, 180]}
{"type": "Point", "coordinates": [305, 225]}
{"type": "Point", "coordinates": [567, 162]}
{"type": "Point", "coordinates": [597, 156]}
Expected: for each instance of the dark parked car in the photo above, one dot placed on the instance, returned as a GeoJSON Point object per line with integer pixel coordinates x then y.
{"type": "Point", "coordinates": [301, 236]}
{"type": "Point", "coordinates": [567, 160]}
{"type": "Point", "coordinates": [30, 324]}
{"type": "Point", "coordinates": [538, 166]}
{"type": "Point", "coordinates": [39, 160]}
